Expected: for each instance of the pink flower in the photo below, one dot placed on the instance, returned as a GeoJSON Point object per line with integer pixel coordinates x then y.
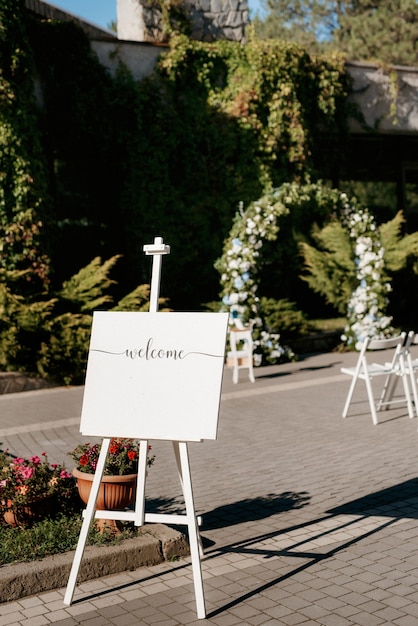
{"type": "Point", "coordinates": [25, 479]}
{"type": "Point", "coordinates": [27, 472]}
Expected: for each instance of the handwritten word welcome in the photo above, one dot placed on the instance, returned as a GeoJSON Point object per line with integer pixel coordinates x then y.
{"type": "Point", "coordinates": [149, 353]}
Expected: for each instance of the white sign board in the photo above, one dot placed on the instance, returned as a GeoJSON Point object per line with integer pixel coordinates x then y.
{"type": "Point", "coordinates": [154, 375]}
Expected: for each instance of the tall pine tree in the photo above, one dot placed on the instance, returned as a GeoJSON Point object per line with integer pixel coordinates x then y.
{"type": "Point", "coordinates": [384, 30]}
{"type": "Point", "coordinates": [364, 30]}
{"type": "Point", "coordinates": [309, 23]}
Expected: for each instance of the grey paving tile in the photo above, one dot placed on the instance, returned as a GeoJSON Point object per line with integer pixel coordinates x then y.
{"type": "Point", "coordinates": [284, 466]}
{"type": "Point", "coordinates": [407, 620]}
{"type": "Point", "coordinates": [226, 620]}
{"type": "Point", "coordinates": [336, 620]}
{"type": "Point", "coordinates": [390, 614]}
{"type": "Point", "coordinates": [367, 619]}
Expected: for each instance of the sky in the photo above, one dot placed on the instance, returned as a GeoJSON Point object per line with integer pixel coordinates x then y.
{"type": "Point", "coordinates": [103, 12]}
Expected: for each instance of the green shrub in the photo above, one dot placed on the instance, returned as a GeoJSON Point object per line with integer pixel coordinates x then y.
{"type": "Point", "coordinates": [282, 316]}
{"type": "Point", "coordinates": [57, 532]}
{"type": "Point", "coordinates": [51, 536]}
{"type": "Point", "coordinates": [50, 337]}
{"type": "Point", "coordinates": [62, 358]}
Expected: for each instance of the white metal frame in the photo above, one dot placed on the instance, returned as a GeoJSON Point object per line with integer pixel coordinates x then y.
{"type": "Point", "coordinates": [391, 371]}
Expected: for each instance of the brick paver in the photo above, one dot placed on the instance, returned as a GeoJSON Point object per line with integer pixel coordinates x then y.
{"type": "Point", "coordinates": [307, 518]}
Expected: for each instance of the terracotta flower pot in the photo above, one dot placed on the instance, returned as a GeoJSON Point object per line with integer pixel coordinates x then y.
{"type": "Point", "coordinates": [115, 494]}
{"type": "Point", "coordinates": [28, 514]}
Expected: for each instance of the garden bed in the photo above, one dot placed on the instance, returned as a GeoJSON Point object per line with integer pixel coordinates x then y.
{"type": "Point", "coordinates": [155, 543]}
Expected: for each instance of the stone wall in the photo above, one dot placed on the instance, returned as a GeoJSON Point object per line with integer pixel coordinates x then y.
{"type": "Point", "coordinates": [387, 100]}
{"type": "Point", "coordinates": [210, 20]}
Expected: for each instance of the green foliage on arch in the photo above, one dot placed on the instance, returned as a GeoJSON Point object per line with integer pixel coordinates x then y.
{"type": "Point", "coordinates": [352, 263]}
{"type": "Point", "coordinates": [242, 256]}
{"type": "Point", "coordinates": [349, 260]}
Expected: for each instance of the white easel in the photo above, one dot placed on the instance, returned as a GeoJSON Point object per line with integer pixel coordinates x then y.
{"type": "Point", "coordinates": [139, 516]}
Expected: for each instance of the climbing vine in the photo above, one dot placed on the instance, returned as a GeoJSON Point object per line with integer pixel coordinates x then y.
{"type": "Point", "coordinates": [23, 178]}
{"type": "Point", "coordinates": [273, 89]}
{"type": "Point", "coordinates": [163, 18]}
{"type": "Point", "coordinates": [173, 154]}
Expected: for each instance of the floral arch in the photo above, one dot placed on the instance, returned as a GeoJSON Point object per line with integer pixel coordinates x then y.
{"type": "Point", "coordinates": [260, 221]}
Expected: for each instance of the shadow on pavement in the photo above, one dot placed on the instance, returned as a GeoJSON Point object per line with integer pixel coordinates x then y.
{"type": "Point", "coordinates": [357, 520]}
{"type": "Point", "coordinates": [321, 539]}
{"type": "Point", "coordinates": [398, 501]}
{"type": "Point", "coordinates": [321, 542]}
{"type": "Point", "coordinates": [252, 509]}
{"type": "Point", "coordinates": [281, 374]}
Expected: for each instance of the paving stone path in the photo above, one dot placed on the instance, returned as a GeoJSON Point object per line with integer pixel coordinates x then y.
{"type": "Point", "coordinates": [307, 518]}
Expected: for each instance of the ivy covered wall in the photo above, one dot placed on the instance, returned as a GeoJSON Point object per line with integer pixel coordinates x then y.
{"type": "Point", "coordinates": [173, 155]}
{"type": "Point", "coordinates": [24, 183]}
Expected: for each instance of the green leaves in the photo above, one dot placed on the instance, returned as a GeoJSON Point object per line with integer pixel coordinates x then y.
{"type": "Point", "coordinates": [272, 87]}
{"type": "Point", "coordinates": [49, 337]}
{"type": "Point", "coordinates": [23, 192]}
{"type": "Point", "coordinates": [244, 257]}
{"type": "Point", "coordinates": [398, 247]}
{"type": "Point", "coordinates": [329, 265]}
{"type": "Point", "coordinates": [383, 31]}
{"type": "Point", "coordinates": [87, 288]}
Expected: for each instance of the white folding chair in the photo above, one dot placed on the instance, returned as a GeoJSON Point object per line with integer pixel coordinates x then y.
{"type": "Point", "coordinates": [241, 353]}
{"type": "Point", "coordinates": [411, 366]}
{"type": "Point", "coordinates": [390, 371]}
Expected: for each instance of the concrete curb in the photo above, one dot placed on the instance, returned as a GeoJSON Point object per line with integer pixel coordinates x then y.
{"type": "Point", "coordinates": [15, 382]}
{"type": "Point", "coordinates": [156, 544]}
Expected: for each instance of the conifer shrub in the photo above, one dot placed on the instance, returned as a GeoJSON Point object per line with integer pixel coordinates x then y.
{"type": "Point", "coordinates": [283, 316]}
{"type": "Point", "coordinates": [49, 337]}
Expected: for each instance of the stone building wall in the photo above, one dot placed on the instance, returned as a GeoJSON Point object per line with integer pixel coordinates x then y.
{"type": "Point", "coordinates": [210, 20]}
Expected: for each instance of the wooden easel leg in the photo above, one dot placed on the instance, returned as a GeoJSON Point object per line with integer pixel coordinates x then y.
{"type": "Point", "coordinates": [88, 517]}
{"type": "Point", "coordinates": [182, 457]}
